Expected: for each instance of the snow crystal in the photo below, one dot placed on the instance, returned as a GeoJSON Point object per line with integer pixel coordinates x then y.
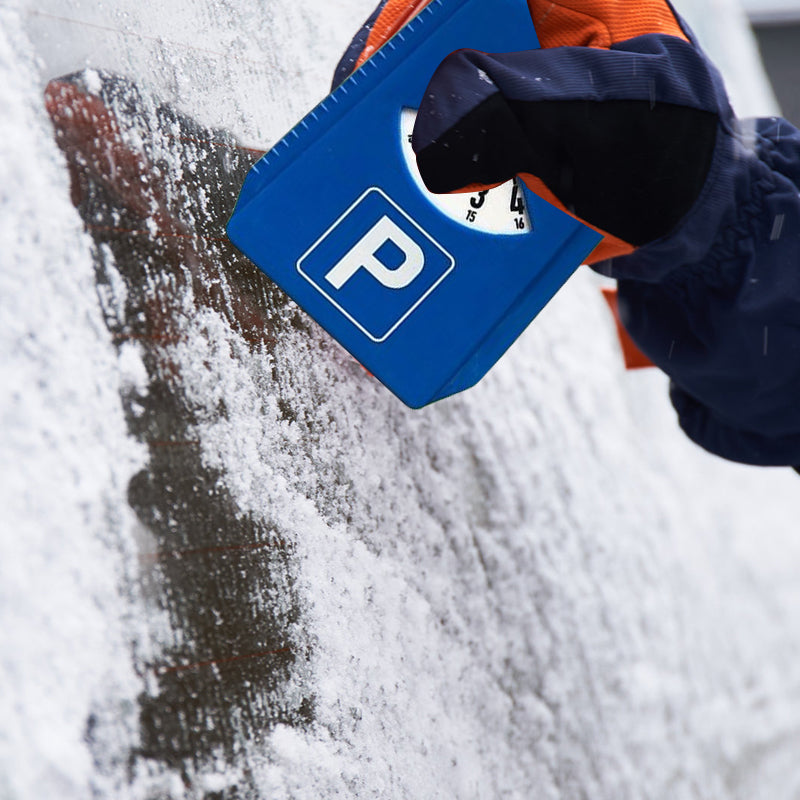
{"type": "Point", "coordinates": [133, 372]}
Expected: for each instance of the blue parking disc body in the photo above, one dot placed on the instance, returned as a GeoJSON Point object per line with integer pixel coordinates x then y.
{"type": "Point", "coordinates": [333, 215]}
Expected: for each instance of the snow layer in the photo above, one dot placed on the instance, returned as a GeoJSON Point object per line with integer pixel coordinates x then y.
{"type": "Point", "coordinates": [65, 458]}
{"type": "Point", "coordinates": [535, 589]}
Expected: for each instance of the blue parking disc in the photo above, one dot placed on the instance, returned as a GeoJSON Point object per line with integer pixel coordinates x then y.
{"type": "Point", "coordinates": [426, 292]}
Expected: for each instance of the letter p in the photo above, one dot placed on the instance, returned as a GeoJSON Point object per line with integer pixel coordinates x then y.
{"type": "Point", "coordinates": [364, 254]}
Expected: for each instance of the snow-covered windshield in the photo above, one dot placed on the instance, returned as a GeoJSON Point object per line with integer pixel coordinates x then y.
{"type": "Point", "coordinates": [233, 565]}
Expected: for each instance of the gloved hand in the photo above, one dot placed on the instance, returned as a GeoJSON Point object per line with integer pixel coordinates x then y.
{"type": "Point", "coordinates": [614, 120]}
{"type": "Point", "coordinates": [621, 120]}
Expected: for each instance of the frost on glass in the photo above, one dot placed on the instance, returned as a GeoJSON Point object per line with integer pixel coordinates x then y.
{"type": "Point", "coordinates": [233, 566]}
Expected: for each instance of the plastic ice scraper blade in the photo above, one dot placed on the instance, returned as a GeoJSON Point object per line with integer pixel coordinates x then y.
{"type": "Point", "coordinates": [426, 291]}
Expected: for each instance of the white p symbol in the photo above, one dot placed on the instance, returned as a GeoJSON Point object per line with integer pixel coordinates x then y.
{"type": "Point", "coordinates": [364, 254]}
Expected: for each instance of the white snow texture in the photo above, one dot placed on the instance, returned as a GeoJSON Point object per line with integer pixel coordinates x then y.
{"type": "Point", "coordinates": [535, 589]}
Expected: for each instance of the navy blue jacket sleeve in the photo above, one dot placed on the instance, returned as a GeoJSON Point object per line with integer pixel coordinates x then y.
{"type": "Point", "coordinates": [716, 303]}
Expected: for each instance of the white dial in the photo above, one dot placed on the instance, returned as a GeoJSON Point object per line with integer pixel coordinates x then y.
{"type": "Point", "coordinates": [498, 210]}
